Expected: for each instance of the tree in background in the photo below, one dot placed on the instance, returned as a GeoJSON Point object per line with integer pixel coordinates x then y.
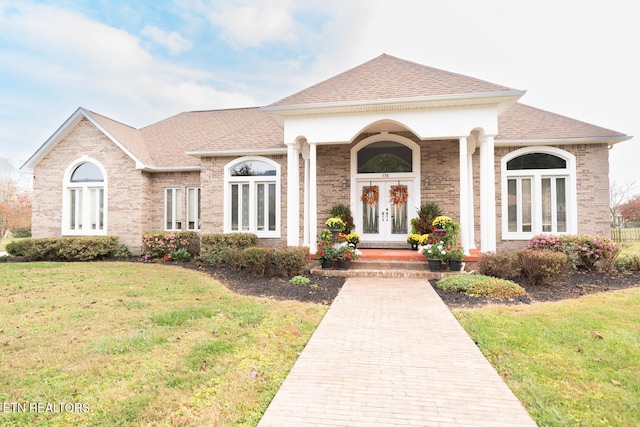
{"type": "Point", "coordinates": [15, 200]}
{"type": "Point", "coordinates": [630, 211]}
{"type": "Point", "coordinates": [618, 195]}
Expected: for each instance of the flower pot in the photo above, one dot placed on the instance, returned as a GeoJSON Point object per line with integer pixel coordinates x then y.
{"type": "Point", "coordinates": [327, 263]}
{"type": "Point", "coordinates": [456, 265]}
{"type": "Point", "coordinates": [344, 265]}
{"type": "Point", "coordinates": [335, 232]}
{"type": "Point", "coordinates": [414, 246]}
{"type": "Point", "coordinates": [435, 265]}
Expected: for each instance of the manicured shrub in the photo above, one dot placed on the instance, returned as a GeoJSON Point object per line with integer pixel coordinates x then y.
{"type": "Point", "coordinates": [540, 266]}
{"type": "Point", "coordinates": [476, 285]}
{"type": "Point", "coordinates": [65, 248]}
{"type": "Point", "coordinates": [258, 260]}
{"type": "Point", "coordinates": [234, 258]}
{"type": "Point", "coordinates": [502, 265]}
{"type": "Point", "coordinates": [292, 260]}
{"type": "Point", "coordinates": [160, 244]}
{"type": "Point", "coordinates": [181, 255]}
{"type": "Point", "coordinates": [123, 252]}
{"type": "Point", "coordinates": [583, 252]}
{"type": "Point", "coordinates": [214, 248]}
{"type": "Point", "coordinates": [626, 263]}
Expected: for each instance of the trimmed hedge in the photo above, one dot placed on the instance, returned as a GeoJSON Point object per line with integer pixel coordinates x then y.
{"type": "Point", "coordinates": [292, 260]}
{"type": "Point", "coordinates": [258, 260]}
{"type": "Point", "coordinates": [540, 266]}
{"type": "Point", "coordinates": [219, 249]}
{"type": "Point", "coordinates": [502, 265]}
{"type": "Point", "coordinates": [65, 248]}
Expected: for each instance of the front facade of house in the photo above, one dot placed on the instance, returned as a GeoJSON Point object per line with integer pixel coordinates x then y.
{"type": "Point", "coordinates": [383, 137]}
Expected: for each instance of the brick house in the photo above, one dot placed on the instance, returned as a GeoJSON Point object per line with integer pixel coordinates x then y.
{"type": "Point", "coordinates": [503, 170]}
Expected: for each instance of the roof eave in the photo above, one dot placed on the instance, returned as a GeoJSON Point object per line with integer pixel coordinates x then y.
{"type": "Point", "coordinates": [157, 169]}
{"type": "Point", "coordinates": [610, 140]}
{"type": "Point", "coordinates": [240, 152]}
{"type": "Point", "coordinates": [508, 97]}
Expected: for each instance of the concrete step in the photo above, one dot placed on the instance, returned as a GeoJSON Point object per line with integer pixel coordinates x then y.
{"type": "Point", "coordinates": [384, 268]}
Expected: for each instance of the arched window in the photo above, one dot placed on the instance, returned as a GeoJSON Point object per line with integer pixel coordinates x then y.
{"type": "Point", "coordinates": [385, 157]}
{"type": "Point", "coordinates": [538, 192]}
{"type": "Point", "coordinates": [84, 199]}
{"type": "Point", "coordinates": [252, 196]}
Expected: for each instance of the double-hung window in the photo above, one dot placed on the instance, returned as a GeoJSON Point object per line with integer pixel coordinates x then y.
{"type": "Point", "coordinates": [173, 204]}
{"type": "Point", "coordinates": [252, 196]}
{"type": "Point", "coordinates": [193, 208]}
{"type": "Point", "coordinates": [538, 193]}
{"type": "Point", "coordinates": [84, 201]}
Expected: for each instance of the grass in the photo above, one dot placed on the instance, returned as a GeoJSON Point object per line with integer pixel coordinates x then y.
{"type": "Point", "coordinates": [571, 363]}
{"type": "Point", "coordinates": [141, 344]}
{"type": "Point", "coordinates": [630, 248]}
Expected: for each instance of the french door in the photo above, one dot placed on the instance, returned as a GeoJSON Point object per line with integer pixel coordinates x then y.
{"type": "Point", "coordinates": [383, 210]}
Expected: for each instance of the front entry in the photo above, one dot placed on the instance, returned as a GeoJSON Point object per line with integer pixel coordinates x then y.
{"type": "Point", "coordinates": [383, 210]}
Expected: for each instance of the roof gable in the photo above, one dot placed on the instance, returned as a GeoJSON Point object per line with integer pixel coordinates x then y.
{"type": "Point", "coordinates": [388, 77]}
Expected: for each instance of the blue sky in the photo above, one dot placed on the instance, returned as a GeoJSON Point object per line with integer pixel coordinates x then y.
{"type": "Point", "coordinates": [141, 61]}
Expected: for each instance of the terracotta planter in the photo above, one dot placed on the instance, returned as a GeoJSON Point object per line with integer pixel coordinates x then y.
{"type": "Point", "coordinates": [435, 265]}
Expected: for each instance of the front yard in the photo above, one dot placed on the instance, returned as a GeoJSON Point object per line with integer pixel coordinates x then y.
{"type": "Point", "coordinates": [140, 344]}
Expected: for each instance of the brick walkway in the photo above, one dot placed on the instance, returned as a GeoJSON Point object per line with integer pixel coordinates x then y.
{"type": "Point", "coordinates": [389, 353]}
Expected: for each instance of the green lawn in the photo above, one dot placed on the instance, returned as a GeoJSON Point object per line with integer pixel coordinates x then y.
{"type": "Point", "coordinates": [630, 248]}
{"type": "Point", "coordinates": [571, 363]}
{"type": "Point", "coordinates": [140, 344]}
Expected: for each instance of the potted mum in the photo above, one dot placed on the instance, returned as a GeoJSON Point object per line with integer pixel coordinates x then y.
{"type": "Point", "coordinates": [413, 239]}
{"type": "Point", "coordinates": [345, 255]}
{"type": "Point", "coordinates": [352, 239]}
{"type": "Point", "coordinates": [336, 225]}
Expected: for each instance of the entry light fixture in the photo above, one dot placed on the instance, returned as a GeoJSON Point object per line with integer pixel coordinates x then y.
{"type": "Point", "coordinates": [344, 182]}
{"type": "Point", "coordinates": [426, 182]}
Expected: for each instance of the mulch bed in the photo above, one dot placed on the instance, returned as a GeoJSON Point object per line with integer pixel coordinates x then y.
{"type": "Point", "coordinates": [323, 290]}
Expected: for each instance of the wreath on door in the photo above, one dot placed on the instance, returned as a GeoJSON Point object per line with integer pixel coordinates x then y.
{"type": "Point", "coordinates": [370, 195]}
{"type": "Point", "coordinates": [398, 194]}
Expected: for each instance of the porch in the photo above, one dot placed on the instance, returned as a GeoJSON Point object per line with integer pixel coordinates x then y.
{"type": "Point", "coordinates": [397, 263]}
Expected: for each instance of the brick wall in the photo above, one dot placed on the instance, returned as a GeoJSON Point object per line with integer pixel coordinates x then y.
{"type": "Point", "coordinates": [125, 184]}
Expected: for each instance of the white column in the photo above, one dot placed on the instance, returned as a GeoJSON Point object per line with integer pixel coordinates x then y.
{"type": "Point", "coordinates": [471, 220]}
{"type": "Point", "coordinates": [313, 198]}
{"type": "Point", "coordinates": [487, 195]}
{"type": "Point", "coordinates": [306, 233]}
{"type": "Point", "coordinates": [293, 195]}
{"type": "Point", "coordinates": [464, 195]}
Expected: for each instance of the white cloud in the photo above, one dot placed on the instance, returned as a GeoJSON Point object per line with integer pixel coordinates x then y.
{"type": "Point", "coordinates": [173, 41]}
{"type": "Point", "coordinates": [252, 23]}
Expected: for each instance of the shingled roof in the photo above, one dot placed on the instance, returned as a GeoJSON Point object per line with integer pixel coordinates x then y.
{"type": "Point", "coordinates": [522, 122]}
{"type": "Point", "coordinates": [388, 77]}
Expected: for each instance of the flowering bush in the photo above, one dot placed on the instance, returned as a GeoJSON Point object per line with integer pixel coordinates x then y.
{"type": "Point", "coordinates": [583, 252]}
{"type": "Point", "coordinates": [161, 244]}
{"type": "Point", "coordinates": [434, 251]}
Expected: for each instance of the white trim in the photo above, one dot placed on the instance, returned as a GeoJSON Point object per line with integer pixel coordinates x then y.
{"type": "Point", "coordinates": [238, 152]}
{"type": "Point", "coordinates": [536, 175]}
{"type": "Point", "coordinates": [413, 176]}
{"type": "Point", "coordinates": [67, 185]}
{"type": "Point", "coordinates": [610, 140]}
{"type": "Point", "coordinates": [228, 180]}
{"type": "Point", "coordinates": [487, 195]}
{"type": "Point", "coordinates": [293, 194]}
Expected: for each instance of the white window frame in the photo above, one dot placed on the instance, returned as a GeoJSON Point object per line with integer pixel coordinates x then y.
{"type": "Point", "coordinates": [252, 181]}
{"type": "Point", "coordinates": [177, 205]}
{"type": "Point", "coordinates": [193, 192]}
{"type": "Point", "coordinates": [84, 210]}
{"type": "Point", "coordinates": [536, 176]}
